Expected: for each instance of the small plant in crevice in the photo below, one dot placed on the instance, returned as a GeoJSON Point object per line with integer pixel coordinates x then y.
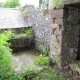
{"type": "Point", "coordinates": [57, 40]}
{"type": "Point", "coordinates": [46, 49]}
{"type": "Point", "coordinates": [71, 72]}
{"type": "Point", "coordinates": [74, 62]}
{"type": "Point", "coordinates": [25, 13]}
{"type": "Point", "coordinates": [37, 47]}
{"type": "Point", "coordinates": [56, 58]}
{"type": "Point", "coordinates": [65, 44]}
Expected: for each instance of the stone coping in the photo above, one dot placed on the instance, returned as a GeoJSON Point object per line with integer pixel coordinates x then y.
{"type": "Point", "coordinates": [66, 2]}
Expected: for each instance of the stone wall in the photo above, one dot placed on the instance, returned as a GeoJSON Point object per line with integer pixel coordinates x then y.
{"type": "Point", "coordinates": [40, 23]}
{"type": "Point", "coordinates": [65, 34]}
{"type": "Point", "coordinates": [21, 39]}
{"type": "Point", "coordinates": [22, 43]}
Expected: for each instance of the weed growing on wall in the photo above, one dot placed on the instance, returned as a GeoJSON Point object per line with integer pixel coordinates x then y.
{"type": "Point", "coordinates": [74, 62]}
{"type": "Point", "coordinates": [56, 58]}
{"type": "Point", "coordinates": [38, 48]}
{"type": "Point", "coordinates": [45, 50]}
{"type": "Point", "coordinates": [25, 13]}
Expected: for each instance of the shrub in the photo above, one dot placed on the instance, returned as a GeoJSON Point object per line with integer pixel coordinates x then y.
{"type": "Point", "coordinates": [29, 31]}
{"type": "Point", "coordinates": [5, 56]}
{"type": "Point", "coordinates": [55, 3]}
{"type": "Point", "coordinates": [41, 60]}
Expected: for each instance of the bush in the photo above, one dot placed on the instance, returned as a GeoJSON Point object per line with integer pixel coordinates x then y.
{"type": "Point", "coordinates": [29, 31]}
{"type": "Point", "coordinates": [5, 57]}
{"type": "Point", "coordinates": [11, 3]}
{"type": "Point", "coordinates": [41, 60]}
{"type": "Point", "coordinates": [57, 2]}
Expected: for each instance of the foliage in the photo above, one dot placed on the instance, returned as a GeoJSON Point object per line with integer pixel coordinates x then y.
{"type": "Point", "coordinates": [56, 58]}
{"type": "Point", "coordinates": [47, 3]}
{"type": "Point", "coordinates": [30, 71]}
{"type": "Point", "coordinates": [56, 2]}
{"type": "Point", "coordinates": [11, 3]}
{"type": "Point", "coordinates": [29, 31]}
{"type": "Point", "coordinates": [1, 4]}
{"type": "Point", "coordinates": [44, 3]}
{"type": "Point", "coordinates": [45, 12]}
{"type": "Point", "coordinates": [38, 48]}
{"type": "Point", "coordinates": [46, 48]}
{"type": "Point", "coordinates": [48, 74]}
{"type": "Point", "coordinates": [74, 62]}
{"type": "Point", "coordinates": [17, 77]}
{"type": "Point", "coordinates": [41, 60]}
{"type": "Point", "coordinates": [5, 56]}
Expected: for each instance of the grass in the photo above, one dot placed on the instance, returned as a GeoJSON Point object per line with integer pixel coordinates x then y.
{"type": "Point", "coordinates": [48, 74]}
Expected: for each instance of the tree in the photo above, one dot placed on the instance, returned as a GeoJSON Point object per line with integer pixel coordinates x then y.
{"type": "Point", "coordinates": [1, 4]}
{"type": "Point", "coordinates": [11, 3]}
{"type": "Point", "coordinates": [54, 3]}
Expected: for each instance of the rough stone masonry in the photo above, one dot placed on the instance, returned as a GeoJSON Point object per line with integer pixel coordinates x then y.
{"type": "Point", "coordinates": [40, 24]}
{"type": "Point", "coordinates": [65, 34]}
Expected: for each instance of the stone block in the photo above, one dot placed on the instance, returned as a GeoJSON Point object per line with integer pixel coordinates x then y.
{"type": "Point", "coordinates": [58, 32]}
{"type": "Point", "coordinates": [76, 27]}
{"type": "Point", "coordinates": [61, 6]}
{"type": "Point", "coordinates": [72, 11]}
{"type": "Point", "coordinates": [73, 56]}
{"type": "Point", "coordinates": [54, 26]}
{"type": "Point", "coordinates": [53, 20]}
{"type": "Point", "coordinates": [53, 51]}
{"type": "Point", "coordinates": [70, 33]}
{"type": "Point", "coordinates": [67, 27]}
{"type": "Point", "coordinates": [73, 19]}
{"type": "Point", "coordinates": [76, 50]}
{"type": "Point", "coordinates": [64, 61]}
{"type": "Point", "coordinates": [71, 50]}
{"type": "Point", "coordinates": [59, 21]}
{"type": "Point", "coordinates": [66, 22]}
{"type": "Point", "coordinates": [68, 39]}
{"type": "Point", "coordinates": [57, 13]}
{"type": "Point", "coordinates": [57, 46]}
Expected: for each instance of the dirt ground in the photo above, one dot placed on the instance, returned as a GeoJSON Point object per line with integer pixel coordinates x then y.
{"type": "Point", "coordinates": [25, 57]}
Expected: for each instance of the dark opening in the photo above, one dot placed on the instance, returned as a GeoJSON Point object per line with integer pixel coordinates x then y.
{"type": "Point", "coordinates": [78, 53]}
{"type": "Point", "coordinates": [79, 21]}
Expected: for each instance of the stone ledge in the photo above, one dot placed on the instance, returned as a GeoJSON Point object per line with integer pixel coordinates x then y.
{"type": "Point", "coordinates": [66, 2]}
